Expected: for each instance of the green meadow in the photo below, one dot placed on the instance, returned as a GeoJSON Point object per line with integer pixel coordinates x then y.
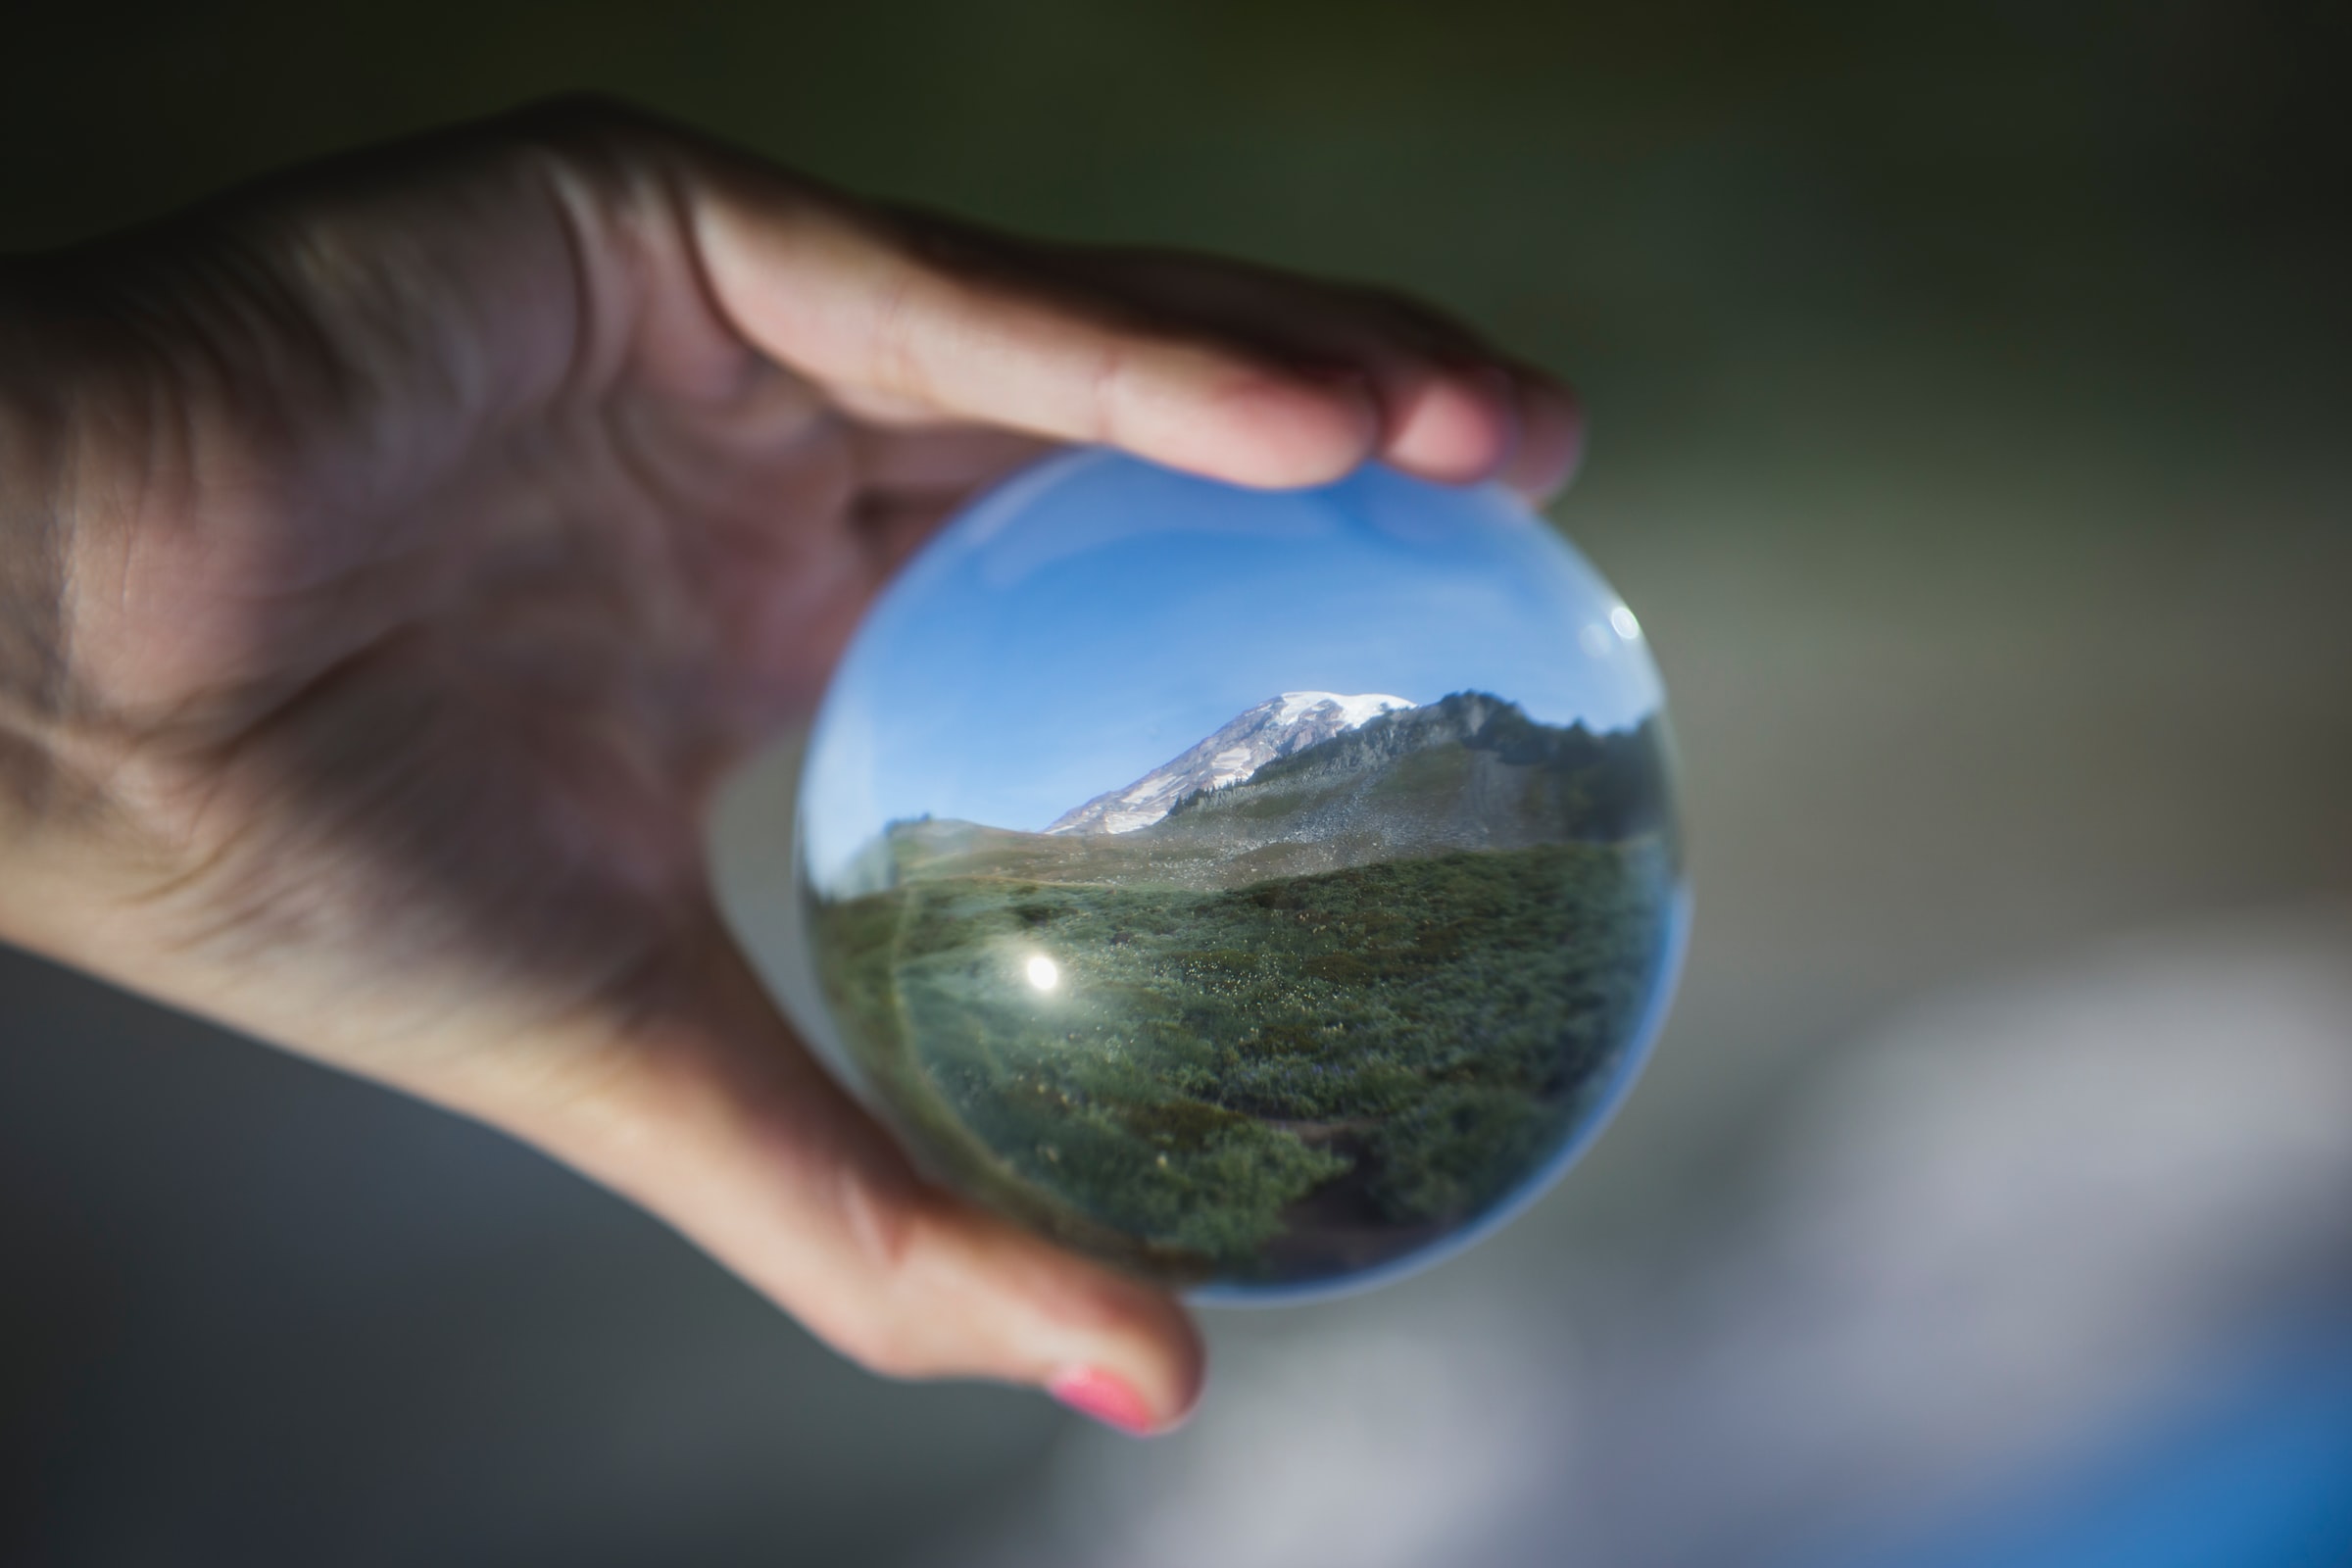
{"type": "Point", "coordinates": [1278, 1081]}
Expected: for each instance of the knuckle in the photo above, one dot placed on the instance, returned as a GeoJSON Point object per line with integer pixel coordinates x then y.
{"type": "Point", "coordinates": [888, 1353]}
{"type": "Point", "coordinates": [594, 144]}
{"type": "Point", "coordinates": [882, 1220]}
{"type": "Point", "coordinates": [895, 1327]}
{"type": "Point", "coordinates": [1106, 382]}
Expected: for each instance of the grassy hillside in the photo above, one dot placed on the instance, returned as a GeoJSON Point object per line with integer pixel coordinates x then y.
{"type": "Point", "coordinates": [1276, 1080]}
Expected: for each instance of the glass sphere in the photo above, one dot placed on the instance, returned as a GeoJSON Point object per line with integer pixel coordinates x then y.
{"type": "Point", "coordinates": [1258, 891]}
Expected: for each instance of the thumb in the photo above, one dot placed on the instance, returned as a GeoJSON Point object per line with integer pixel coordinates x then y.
{"type": "Point", "coordinates": [713, 1116]}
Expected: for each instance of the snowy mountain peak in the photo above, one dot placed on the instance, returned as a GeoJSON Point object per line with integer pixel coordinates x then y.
{"type": "Point", "coordinates": [1258, 735]}
{"type": "Point", "coordinates": [1354, 710]}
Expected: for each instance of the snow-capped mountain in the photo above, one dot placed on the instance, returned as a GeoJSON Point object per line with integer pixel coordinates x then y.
{"type": "Point", "coordinates": [1271, 730]}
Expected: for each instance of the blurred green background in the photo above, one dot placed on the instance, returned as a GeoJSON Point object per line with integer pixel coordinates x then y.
{"type": "Point", "coordinates": [1969, 393]}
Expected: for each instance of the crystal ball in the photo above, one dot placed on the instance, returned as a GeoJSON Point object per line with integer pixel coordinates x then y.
{"type": "Point", "coordinates": [1263, 892]}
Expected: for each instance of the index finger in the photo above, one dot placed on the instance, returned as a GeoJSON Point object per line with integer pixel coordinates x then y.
{"type": "Point", "coordinates": [849, 300]}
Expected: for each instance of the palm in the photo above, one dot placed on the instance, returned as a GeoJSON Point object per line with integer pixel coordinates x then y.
{"type": "Point", "coordinates": [539, 744]}
{"type": "Point", "coordinates": [460, 716]}
{"type": "Point", "coordinates": [507, 784]}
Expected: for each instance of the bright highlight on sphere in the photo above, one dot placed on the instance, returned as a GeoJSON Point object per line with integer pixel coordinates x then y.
{"type": "Point", "coordinates": [1355, 806]}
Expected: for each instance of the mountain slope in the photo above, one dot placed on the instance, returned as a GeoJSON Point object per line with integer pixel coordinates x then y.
{"type": "Point", "coordinates": [1470, 773]}
{"type": "Point", "coordinates": [1267, 732]}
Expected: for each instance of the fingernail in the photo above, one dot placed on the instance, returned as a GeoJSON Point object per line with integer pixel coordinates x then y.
{"type": "Point", "coordinates": [1106, 1399]}
{"type": "Point", "coordinates": [1502, 401]}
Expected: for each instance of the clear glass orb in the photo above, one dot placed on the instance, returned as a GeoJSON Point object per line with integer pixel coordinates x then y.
{"type": "Point", "coordinates": [1258, 891]}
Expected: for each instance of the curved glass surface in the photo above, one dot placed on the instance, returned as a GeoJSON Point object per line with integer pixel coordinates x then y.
{"type": "Point", "coordinates": [1258, 891]}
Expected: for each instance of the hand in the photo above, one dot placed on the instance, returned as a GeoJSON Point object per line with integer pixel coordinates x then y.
{"type": "Point", "coordinates": [393, 557]}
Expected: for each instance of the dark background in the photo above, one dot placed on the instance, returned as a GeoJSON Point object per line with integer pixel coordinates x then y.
{"type": "Point", "coordinates": [1969, 394]}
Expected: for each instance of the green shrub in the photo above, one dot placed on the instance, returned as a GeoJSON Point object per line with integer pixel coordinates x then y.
{"type": "Point", "coordinates": [1420, 1033]}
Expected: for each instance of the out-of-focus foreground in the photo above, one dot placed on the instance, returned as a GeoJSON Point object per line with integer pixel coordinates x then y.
{"type": "Point", "coordinates": [1968, 399]}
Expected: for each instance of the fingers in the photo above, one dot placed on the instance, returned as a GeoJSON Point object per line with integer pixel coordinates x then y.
{"type": "Point", "coordinates": [720, 1123]}
{"type": "Point", "coordinates": [1231, 371]}
{"type": "Point", "coordinates": [1453, 410]}
{"type": "Point", "coordinates": [1551, 436]}
{"type": "Point", "coordinates": [825, 290]}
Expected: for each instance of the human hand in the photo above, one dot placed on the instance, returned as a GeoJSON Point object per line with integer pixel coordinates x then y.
{"type": "Point", "coordinates": [394, 557]}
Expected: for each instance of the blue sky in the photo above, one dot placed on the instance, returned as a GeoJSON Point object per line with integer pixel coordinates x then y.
{"type": "Point", "coordinates": [1097, 616]}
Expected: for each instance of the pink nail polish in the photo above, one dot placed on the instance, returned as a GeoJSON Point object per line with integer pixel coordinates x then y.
{"type": "Point", "coordinates": [1106, 1399]}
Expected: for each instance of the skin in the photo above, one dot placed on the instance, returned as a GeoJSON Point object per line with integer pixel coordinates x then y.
{"type": "Point", "coordinates": [395, 556]}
